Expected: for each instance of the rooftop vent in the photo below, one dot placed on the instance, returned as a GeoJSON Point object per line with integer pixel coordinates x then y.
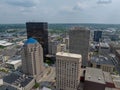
{"type": "Point", "coordinates": [89, 77]}
{"type": "Point", "coordinates": [99, 78]}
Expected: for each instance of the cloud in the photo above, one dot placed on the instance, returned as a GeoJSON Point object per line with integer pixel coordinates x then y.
{"type": "Point", "coordinates": [80, 6]}
{"type": "Point", "coordinates": [104, 1]}
{"type": "Point", "coordinates": [21, 3]}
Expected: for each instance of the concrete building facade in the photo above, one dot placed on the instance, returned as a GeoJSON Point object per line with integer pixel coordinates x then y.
{"type": "Point", "coordinates": [68, 68]}
{"type": "Point", "coordinates": [53, 47]}
{"type": "Point", "coordinates": [96, 79]}
{"type": "Point", "coordinates": [32, 58]}
{"type": "Point", "coordinates": [103, 63]}
{"type": "Point", "coordinates": [66, 41]}
{"type": "Point", "coordinates": [79, 42]}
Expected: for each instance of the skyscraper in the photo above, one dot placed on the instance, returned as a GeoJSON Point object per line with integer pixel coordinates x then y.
{"type": "Point", "coordinates": [68, 68]}
{"type": "Point", "coordinates": [32, 58]}
{"type": "Point", "coordinates": [39, 31]}
{"type": "Point", "coordinates": [79, 42]}
{"type": "Point", "coordinates": [97, 35]}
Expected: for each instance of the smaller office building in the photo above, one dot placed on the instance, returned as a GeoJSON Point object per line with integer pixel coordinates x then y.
{"type": "Point", "coordinates": [96, 79]}
{"type": "Point", "coordinates": [14, 64]}
{"type": "Point", "coordinates": [103, 63]}
{"type": "Point", "coordinates": [18, 81]}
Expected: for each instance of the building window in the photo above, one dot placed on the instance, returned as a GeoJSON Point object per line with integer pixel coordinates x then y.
{"type": "Point", "coordinates": [91, 65]}
{"type": "Point", "coordinates": [98, 66]}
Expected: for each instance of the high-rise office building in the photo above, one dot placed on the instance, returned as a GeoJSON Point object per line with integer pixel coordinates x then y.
{"type": "Point", "coordinates": [68, 68]}
{"type": "Point", "coordinates": [79, 42]}
{"type": "Point", "coordinates": [97, 35]}
{"type": "Point", "coordinates": [32, 58]}
{"type": "Point", "coordinates": [39, 31]}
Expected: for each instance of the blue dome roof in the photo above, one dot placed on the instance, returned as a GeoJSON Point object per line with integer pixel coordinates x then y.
{"type": "Point", "coordinates": [30, 41]}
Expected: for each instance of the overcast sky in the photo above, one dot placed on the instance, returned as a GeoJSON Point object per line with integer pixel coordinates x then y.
{"type": "Point", "coordinates": [60, 11]}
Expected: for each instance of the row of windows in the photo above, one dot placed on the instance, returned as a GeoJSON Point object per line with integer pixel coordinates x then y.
{"type": "Point", "coordinates": [67, 83]}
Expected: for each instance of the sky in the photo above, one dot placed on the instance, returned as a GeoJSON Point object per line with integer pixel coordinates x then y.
{"type": "Point", "coordinates": [60, 11]}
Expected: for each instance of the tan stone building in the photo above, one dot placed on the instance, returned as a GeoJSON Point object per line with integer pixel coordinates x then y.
{"type": "Point", "coordinates": [79, 42]}
{"type": "Point", "coordinates": [102, 62]}
{"type": "Point", "coordinates": [66, 41]}
{"type": "Point", "coordinates": [32, 58]}
{"type": "Point", "coordinates": [68, 68]}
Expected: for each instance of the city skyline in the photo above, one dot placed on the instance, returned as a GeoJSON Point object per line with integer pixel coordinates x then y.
{"type": "Point", "coordinates": [75, 11]}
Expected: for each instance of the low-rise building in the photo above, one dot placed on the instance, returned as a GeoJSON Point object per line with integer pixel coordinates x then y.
{"type": "Point", "coordinates": [96, 79]}
{"type": "Point", "coordinates": [114, 46]}
{"type": "Point", "coordinates": [103, 63]}
{"type": "Point", "coordinates": [14, 63]}
{"type": "Point", "coordinates": [116, 80]}
{"type": "Point", "coordinates": [104, 48]}
{"type": "Point", "coordinates": [19, 81]}
{"type": "Point", "coordinates": [5, 43]}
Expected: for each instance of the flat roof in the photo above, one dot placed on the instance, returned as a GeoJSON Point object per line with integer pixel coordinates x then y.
{"type": "Point", "coordinates": [16, 79]}
{"type": "Point", "coordinates": [118, 51]}
{"type": "Point", "coordinates": [116, 80]}
{"type": "Point", "coordinates": [101, 60]}
{"type": "Point", "coordinates": [5, 43]}
{"type": "Point", "coordinates": [7, 87]}
{"type": "Point", "coordinates": [44, 88]}
{"type": "Point", "coordinates": [107, 77]}
{"type": "Point", "coordinates": [68, 54]}
{"type": "Point", "coordinates": [80, 28]}
{"type": "Point", "coordinates": [115, 45]}
{"type": "Point", "coordinates": [14, 61]}
{"type": "Point", "coordinates": [94, 75]}
{"type": "Point", "coordinates": [104, 44]}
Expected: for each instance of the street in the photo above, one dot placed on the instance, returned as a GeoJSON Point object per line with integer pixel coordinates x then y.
{"type": "Point", "coordinates": [48, 78]}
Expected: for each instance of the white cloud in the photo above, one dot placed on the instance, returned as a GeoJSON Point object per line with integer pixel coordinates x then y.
{"type": "Point", "coordinates": [21, 3]}
{"type": "Point", "coordinates": [104, 1]}
{"type": "Point", "coordinates": [12, 11]}
{"type": "Point", "coordinates": [80, 6]}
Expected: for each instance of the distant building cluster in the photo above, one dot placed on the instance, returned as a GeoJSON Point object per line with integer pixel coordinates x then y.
{"type": "Point", "coordinates": [80, 59]}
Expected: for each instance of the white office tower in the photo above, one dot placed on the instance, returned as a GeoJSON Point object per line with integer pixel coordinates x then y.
{"type": "Point", "coordinates": [68, 68]}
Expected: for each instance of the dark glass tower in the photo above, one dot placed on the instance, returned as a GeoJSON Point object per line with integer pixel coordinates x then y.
{"type": "Point", "coordinates": [97, 35]}
{"type": "Point", "coordinates": [39, 31]}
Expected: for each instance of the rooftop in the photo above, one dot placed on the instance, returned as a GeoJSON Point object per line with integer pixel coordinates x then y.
{"type": "Point", "coordinates": [44, 88]}
{"type": "Point", "coordinates": [30, 41]}
{"type": "Point", "coordinates": [79, 28]}
{"type": "Point", "coordinates": [14, 61]}
{"type": "Point", "coordinates": [6, 87]}
{"type": "Point", "coordinates": [17, 79]}
{"type": "Point", "coordinates": [5, 43]}
{"type": "Point", "coordinates": [101, 60]}
{"type": "Point", "coordinates": [118, 51]}
{"type": "Point", "coordinates": [94, 75]}
{"type": "Point", "coordinates": [104, 44]}
{"type": "Point", "coordinates": [107, 77]}
{"type": "Point", "coordinates": [116, 80]}
{"type": "Point", "coordinates": [68, 55]}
